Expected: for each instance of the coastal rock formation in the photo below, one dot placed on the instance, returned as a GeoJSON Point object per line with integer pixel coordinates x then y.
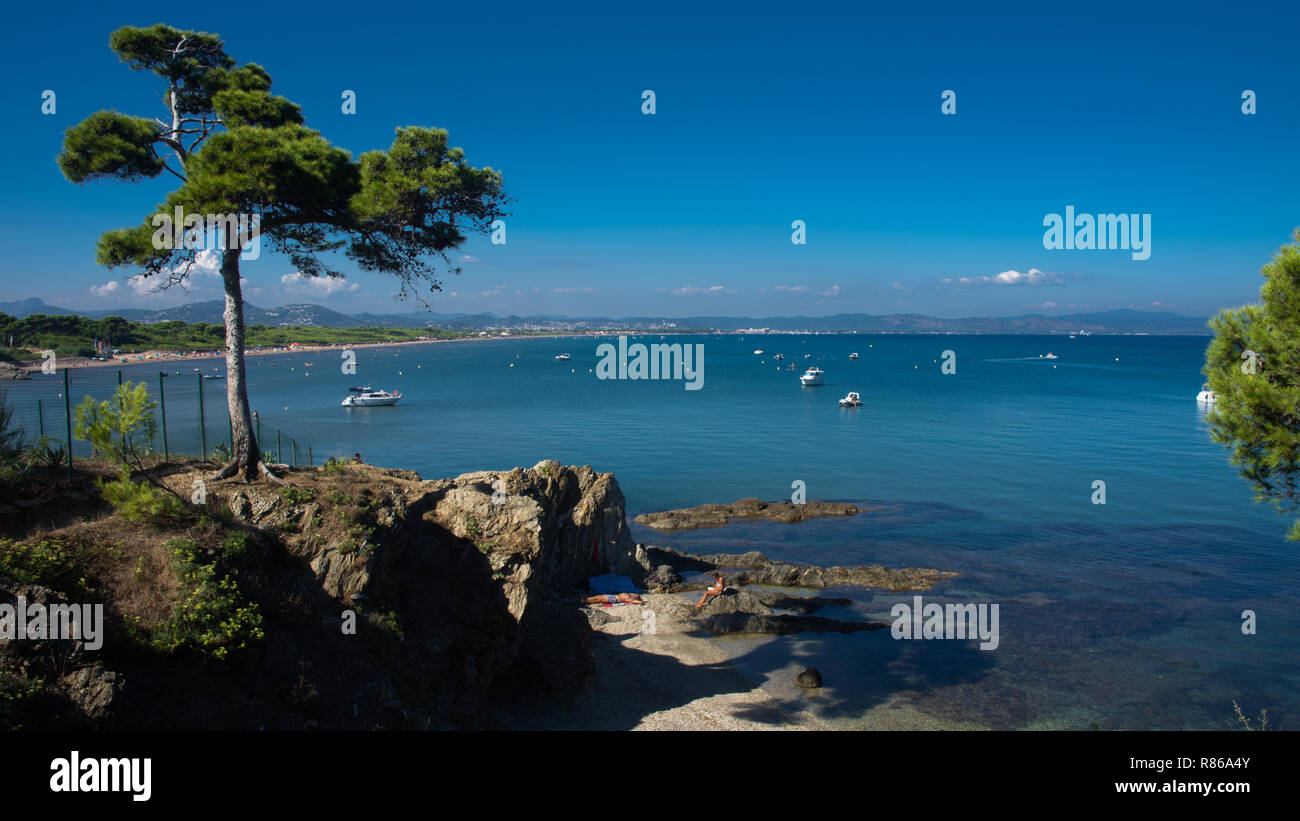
{"type": "Point", "coordinates": [712, 515]}
{"type": "Point", "coordinates": [783, 624]}
{"type": "Point", "coordinates": [461, 594]}
{"type": "Point", "coordinates": [755, 568]}
{"type": "Point", "coordinates": [10, 371]}
{"type": "Point", "coordinates": [482, 568]}
{"type": "Point", "coordinates": [754, 611]}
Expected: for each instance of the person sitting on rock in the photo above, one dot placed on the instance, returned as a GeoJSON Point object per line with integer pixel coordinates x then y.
{"type": "Point", "coordinates": [714, 590]}
{"type": "Point", "coordinates": [614, 598]}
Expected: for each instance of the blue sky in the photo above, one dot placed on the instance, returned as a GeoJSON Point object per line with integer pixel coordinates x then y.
{"type": "Point", "coordinates": [766, 114]}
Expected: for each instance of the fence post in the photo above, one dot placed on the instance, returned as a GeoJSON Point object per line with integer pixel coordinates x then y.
{"type": "Point", "coordinates": [119, 377]}
{"type": "Point", "coordinates": [162, 400]}
{"type": "Point", "coordinates": [67, 412]}
{"type": "Point", "coordinates": [278, 460]}
{"type": "Point", "coordinates": [310, 463]}
{"type": "Point", "coordinates": [293, 445]}
{"type": "Point", "coordinates": [203, 426]}
{"type": "Point", "coordinates": [40, 416]}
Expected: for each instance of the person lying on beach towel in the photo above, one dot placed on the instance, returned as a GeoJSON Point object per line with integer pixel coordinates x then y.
{"type": "Point", "coordinates": [714, 590]}
{"type": "Point", "coordinates": [611, 599]}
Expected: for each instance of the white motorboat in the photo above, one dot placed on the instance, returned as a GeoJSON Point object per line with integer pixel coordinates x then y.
{"type": "Point", "coordinates": [369, 397]}
{"type": "Point", "coordinates": [1051, 355]}
{"type": "Point", "coordinates": [853, 400]}
{"type": "Point", "coordinates": [758, 352]}
{"type": "Point", "coordinates": [564, 357]}
{"type": "Point", "coordinates": [807, 356]}
{"type": "Point", "coordinates": [853, 356]}
{"type": "Point", "coordinates": [778, 356]}
{"type": "Point", "coordinates": [1206, 396]}
{"type": "Point", "coordinates": [812, 377]}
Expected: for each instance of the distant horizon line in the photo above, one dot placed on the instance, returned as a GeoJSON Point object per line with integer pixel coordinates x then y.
{"type": "Point", "coordinates": [916, 313]}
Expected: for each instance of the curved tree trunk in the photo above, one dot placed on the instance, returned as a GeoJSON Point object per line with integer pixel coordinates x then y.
{"type": "Point", "coordinates": [246, 460]}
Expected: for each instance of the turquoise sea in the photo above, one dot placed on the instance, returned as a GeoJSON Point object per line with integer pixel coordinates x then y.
{"type": "Point", "coordinates": [1126, 614]}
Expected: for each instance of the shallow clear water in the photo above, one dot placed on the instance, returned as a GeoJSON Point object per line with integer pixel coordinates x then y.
{"type": "Point", "coordinates": [1126, 614]}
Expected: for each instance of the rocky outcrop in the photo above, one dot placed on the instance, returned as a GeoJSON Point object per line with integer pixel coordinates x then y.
{"type": "Point", "coordinates": [10, 371]}
{"type": "Point", "coordinates": [481, 568]}
{"type": "Point", "coordinates": [755, 568]}
{"type": "Point", "coordinates": [711, 515]}
{"type": "Point", "coordinates": [79, 690]}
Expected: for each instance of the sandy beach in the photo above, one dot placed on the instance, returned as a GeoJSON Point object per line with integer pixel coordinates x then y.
{"type": "Point", "coordinates": [678, 678]}
{"type": "Point", "coordinates": [220, 356]}
{"type": "Point", "coordinates": [671, 679]}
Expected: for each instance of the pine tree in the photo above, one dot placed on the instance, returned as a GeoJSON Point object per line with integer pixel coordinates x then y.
{"type": "Point", "coordinates": [239, 150]}
{"type": "Point", "coordinates": [1253, 367]}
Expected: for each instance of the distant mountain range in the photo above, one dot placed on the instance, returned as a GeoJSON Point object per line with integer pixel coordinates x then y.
{"type": "Point", "coordinates": [1103, 322]}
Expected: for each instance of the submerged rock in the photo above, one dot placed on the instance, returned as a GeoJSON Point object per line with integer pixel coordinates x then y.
{"type": "Point", "coordinates": [809, 679]}
{"type": "Point", "coordinates": [782, 625]}
{"type": "Point", "coordinates": [711, 515]}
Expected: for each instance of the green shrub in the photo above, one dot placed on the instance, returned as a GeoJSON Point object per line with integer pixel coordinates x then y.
{"type": "Point", "coordinates": [119, 428]}
{"type": "Point", "coordinates": [335, 464]}
{"type": "Point", "coordinates": [211, 616]}
{"type": "Point", "coordinates": [46, 563]}
{"type": "Point", "coordinates": [235, 548]}
{"type": "Point", "coordinates": [140, 501]}
{"type": "Point", "coordinates": [17, 694]}
{"type": "Point", "coordinates": [297, 496]}
{"type": "Point", "coordinates": [47, 452]}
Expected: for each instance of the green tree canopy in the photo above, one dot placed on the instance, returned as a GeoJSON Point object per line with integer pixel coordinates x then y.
{"type": "Point", "coordinates": [238, 149]}
{"type": "Point", "coordinates": [1253, 368]}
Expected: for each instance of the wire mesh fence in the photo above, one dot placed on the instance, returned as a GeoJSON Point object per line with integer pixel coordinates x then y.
{"type": "Point", "coordinates": [191, 415]}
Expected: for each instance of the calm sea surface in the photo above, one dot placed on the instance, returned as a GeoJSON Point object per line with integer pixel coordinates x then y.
{"type": "Point", "coordinates": [1126, 614]}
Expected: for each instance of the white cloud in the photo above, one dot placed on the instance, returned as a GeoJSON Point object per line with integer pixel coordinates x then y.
{"type": "Point", "coordinates": [691, 289]}
{"type": "Point", "coordinates": [573, 290]}
{"type": "Point", "coordinates": [106, 289]}
{"type": "Point", "coordinates": [470, 259]}
{"type": "Point", "coordinates": [317, 286]}
{"type": "Point", "coordinates": [1031, 277]}
{"type": "Point", "coordinates": [794, 289]}
{"type": "Point", "coordinates": [834, 290]}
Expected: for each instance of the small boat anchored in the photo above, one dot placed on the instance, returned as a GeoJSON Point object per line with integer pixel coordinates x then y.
{"type": "Point", "coordinates": [853, 356]}
{"type": "Point", "coordinates": [758, 352]}
{"type": "Point", "coordinates": [369, 397]}
{"type": "Point", "coordinates": [812, 377]}
{"type": "Point", "coordinates": [564, 357]}
{"type": "Point", "coordinates": [853, 400]}
{"type": "Point", "coordinates": [778, 356]}
{"type": "Point", "coordinates": [1051, 355]}
{"type": "Point", "coordinates": [1206, 396]}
